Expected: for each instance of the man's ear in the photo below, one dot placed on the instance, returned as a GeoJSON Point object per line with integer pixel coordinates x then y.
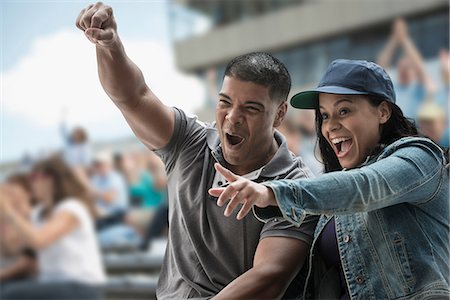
{"type": "Point", "coordinates": [384, 112]}
{"type": "Point", "coordinates": [282, 109]}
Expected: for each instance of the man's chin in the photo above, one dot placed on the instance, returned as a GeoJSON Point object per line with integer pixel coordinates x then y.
{"type": "Point", "coordinates": [233, 160]}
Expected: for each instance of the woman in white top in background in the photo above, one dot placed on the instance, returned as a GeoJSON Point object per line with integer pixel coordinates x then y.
{"type": "Point", "coordinates": [63, 236]}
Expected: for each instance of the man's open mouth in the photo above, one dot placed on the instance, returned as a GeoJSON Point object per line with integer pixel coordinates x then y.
{"type": "Point", "coordinates": [233, 139]}
{"type": "Point", "coordinates": [342, 145]}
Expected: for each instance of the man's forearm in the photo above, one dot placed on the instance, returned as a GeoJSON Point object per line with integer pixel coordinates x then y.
{"type": "Point", "coordinates": [121, 79]}
{"type": "Point", "coordinates": [256, 283]}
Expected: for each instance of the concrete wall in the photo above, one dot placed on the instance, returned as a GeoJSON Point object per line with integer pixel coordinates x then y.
{"type": "Point", "coordinates": [291, 26]}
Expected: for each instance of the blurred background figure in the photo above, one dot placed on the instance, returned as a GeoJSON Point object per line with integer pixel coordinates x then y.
{"type": "Point", "coordinates": [308, 143]}
{"type": "Point", "coordinates": [442, 98]}
{"type": "Point", "coordinates": [77, 150]}
{"type": "Point", "coordinates": [17, 261]}
{"type": "Point", "coordinates": [412, 85]}
{"type": "Point", "coordinates": [433, 124]}
{"type": "Point", "coordinates": [291, 132]}
{"type": "Point", "coordinates": [62, 234]}
{"type": "Point", "coordinates": [298, 127]}
{"type": "Point", "coordinates": [147, 188]}
{"type": "Point", "coordinates": [109, 190]}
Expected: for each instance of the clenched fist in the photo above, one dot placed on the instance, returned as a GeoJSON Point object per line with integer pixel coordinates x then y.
{"type": "Point", "coordinates": [97, 22]}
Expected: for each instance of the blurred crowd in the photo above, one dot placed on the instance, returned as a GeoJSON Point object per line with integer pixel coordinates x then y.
{"type": "Point", "coordinates": [59, 214]}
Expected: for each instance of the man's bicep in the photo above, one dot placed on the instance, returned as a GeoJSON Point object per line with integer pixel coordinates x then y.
{"type": "Point", "coordinates": [286, 254]}
{"type": "Point", "coordinates": [151, 121]}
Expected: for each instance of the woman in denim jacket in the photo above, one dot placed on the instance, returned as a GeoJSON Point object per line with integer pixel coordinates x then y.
{"type": "Point", "coordinates": [384, 202]}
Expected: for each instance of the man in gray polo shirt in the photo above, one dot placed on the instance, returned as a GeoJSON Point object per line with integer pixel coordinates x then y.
{"type": "Point", "coordinates": [209, 255]}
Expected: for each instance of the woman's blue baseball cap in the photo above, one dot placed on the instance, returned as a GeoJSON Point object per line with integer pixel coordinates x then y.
{"type": "Point", "coordinates": [348, 77]}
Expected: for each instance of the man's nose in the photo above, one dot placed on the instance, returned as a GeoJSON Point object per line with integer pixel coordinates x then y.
{"type": "Point", "coordinates": [234, 116]}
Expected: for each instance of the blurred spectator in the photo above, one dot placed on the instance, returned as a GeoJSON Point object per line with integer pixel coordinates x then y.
{"type": "Point", "coordinates": [413, 85]}
{"type": "Point", "coordinates": [307, 127]}
{"type": "Point", "coordinates": [147, 184]}
{"type": "Point", "coordinates": [63, 236]}
{"type": "Point", "coordinates": [291, 132]}
{"type": "Point", "coordinates": [17, 261]}
{"type": "Point", "coordinates": [298, 127]}
{"type": "Point", "coordinates": [442, 96]}
{"type": "Point", "coordinates": [146, 181]}
{"type": "Point", "coordinates": [109, 191]}
{"type": "Point", "coordinates": [432, 123]}
{"type": "Point", "coordinates": [77, 151]}
{"type": "Point", "coordinates": [160, 221]}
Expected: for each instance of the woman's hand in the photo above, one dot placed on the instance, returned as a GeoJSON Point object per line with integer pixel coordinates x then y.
{"type": "Point", "coordinates": [241, 190]}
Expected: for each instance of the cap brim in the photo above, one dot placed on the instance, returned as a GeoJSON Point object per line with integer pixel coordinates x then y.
{"type": "Point", "coordinates": [309, 99]}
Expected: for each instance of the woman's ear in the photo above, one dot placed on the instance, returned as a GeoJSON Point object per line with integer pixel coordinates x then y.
{"type": "Point", "coordinates": [384, 112]}
{"type": "Point", "coordinates": [282, 109]}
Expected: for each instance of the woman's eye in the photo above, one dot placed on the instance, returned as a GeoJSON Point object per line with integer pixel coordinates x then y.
{"type": "Point", "coordinates": [324, 116]}
{"type": "Point", "coordinates": [343, 111]}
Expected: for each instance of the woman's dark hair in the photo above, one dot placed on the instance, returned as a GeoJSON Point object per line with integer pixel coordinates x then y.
{"type": "Point", "coordinates": [396, 127]}
{"type": "Point", "coordinates": [65, 182]}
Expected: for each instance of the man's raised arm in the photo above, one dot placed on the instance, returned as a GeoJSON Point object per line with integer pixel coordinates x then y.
{"type": "Point", "coordinates": [149, 118]}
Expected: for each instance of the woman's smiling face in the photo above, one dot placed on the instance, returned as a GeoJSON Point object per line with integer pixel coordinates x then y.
{"type": "Point", "coordinates": [352, 126]}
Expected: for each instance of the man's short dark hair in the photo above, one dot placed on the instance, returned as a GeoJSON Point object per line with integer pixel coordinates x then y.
{"type": "Point", "coordinates": [263, 69]}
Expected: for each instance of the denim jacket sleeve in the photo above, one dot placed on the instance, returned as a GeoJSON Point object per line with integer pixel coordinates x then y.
{"type": "Point", "coordinates": [409, 171]}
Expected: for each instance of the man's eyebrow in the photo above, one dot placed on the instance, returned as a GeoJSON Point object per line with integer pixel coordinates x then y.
{"type": "Point", "coordinates": [224, 95]}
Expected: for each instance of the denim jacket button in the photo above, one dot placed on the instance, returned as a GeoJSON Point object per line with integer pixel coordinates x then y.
{"type": "Point", "coordinates": [359, 279]}
{"type": "Point", "coordinates": [346, 238]}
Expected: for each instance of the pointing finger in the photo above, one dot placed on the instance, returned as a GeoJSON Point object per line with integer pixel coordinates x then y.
{"type": "Point", "coordinates": [216, 192]}
{"type": "Point", "coordinates": [230, 176]}
{"type": "Point", "coordinates": [230, 191]}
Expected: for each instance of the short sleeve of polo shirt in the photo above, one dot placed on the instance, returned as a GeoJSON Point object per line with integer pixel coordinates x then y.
{"type": "Point", "coordinates": [187, 131]}
{"type": "Point", "coordinates": [279, 227]}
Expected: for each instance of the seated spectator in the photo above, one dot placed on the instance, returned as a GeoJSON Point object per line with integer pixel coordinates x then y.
{"type": "Point", "coordinates": [17, 261]}
{"type": "Point", "coordinates": [109, 191]}
{"type": "Point", "coordinates": [146, 186]}
{"type": "Point", "coordinates": [62, 234]}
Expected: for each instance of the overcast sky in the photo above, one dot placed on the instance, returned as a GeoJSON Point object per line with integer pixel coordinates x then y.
{"type": "Point", "coordinates": [48, 71]}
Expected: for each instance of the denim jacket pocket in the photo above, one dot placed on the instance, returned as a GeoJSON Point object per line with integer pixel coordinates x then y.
{"type": "Point", "coordinates": [402, 257]}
